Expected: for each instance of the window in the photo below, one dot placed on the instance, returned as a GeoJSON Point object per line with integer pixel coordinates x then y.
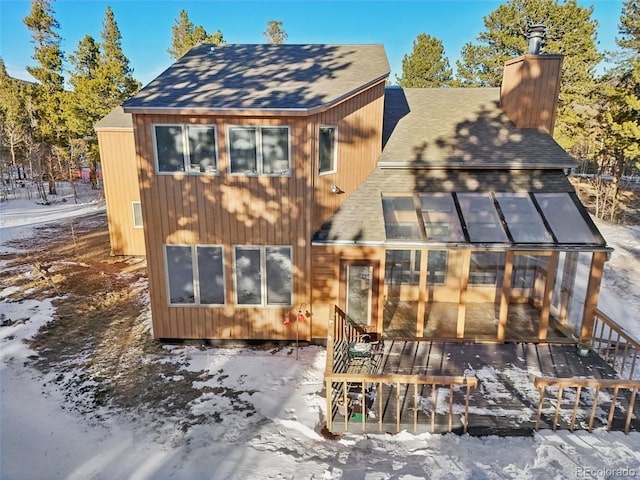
{"type": "Point", "coordinates": [195, 274]}
{"type": "Point", "coordinates": [185, 148]}
{"type": "Point", "coordinates": [259, 151]}
{"type": "Point", "coordinates": [327, 149]}
{"type": "Point", "coordinates": [487, 268]}
{"type": "Point", "coordinates": [441, 220]}
{"type": "Point", "coordinates": [400, 218]}
{"type": "Point", "coordinates": [437, 267]}
{"type": "Point", "coordinates": [402, 267]}
{"type": "Point", "coordinates": [264, 275]}
{"type": "Point", "coordinates": [482, 219]}
{"type": "Point", "coordinates": [137, 214]}
{"type": "Point", "coordinates": [523, 220]}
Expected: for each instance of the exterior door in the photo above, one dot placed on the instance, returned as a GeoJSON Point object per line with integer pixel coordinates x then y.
{"type": "Point", "coordinates": [359, 290]}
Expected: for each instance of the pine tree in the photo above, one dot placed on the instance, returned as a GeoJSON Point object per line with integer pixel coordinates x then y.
{"type": "Point", "coordinates": [184, 36]}
{"type": "Point", "coordinates": [48, 72]}
{"type": "Point", "coordinates": [274, 33]}
{"type": "Point", "coordinates": [114, 74]}
{"type": "Point", "coordinates": [85, 106]}
{"type": "Point", "coordinates": [427, 66]}
{"type": "Point", "coordinates": [49, 94]}
{"type": "Point", "coordinates": [570, 32]}
{"type": "Point", "coordinates": [14, 122]}
{"type": "Point", "coordinates": [619, 100]}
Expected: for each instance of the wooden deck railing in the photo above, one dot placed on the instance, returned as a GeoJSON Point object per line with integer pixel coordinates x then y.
{"type": "Point", "coordinates": [575, 386]}
{"type": "Point", "coordinates": [345, 383]}
{"type": "Point", "coordinates": [615, 345]}
{"type": "Point", "coordinates": [340, 384]}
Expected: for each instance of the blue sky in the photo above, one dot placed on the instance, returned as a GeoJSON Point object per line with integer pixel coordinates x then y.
{"type": "Point", "coordinates": [146, 25]}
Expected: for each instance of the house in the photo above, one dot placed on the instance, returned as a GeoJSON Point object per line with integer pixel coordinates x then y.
{"type": "Point", "coordinates": [279, 181]}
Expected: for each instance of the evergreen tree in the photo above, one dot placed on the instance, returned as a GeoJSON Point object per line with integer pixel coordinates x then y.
{"type": "Point", "coordinates": [49, 89]}
{"type": "Point", "coordinates": [48, 72]}
{"type": "Point", "coordinates": [115, 76]}
{"type": "Point", "coordinates": [274, 33]}
{"type": "Point", "coordinates": [14, 122]}
{"type": "Point", "coordinates": [619, 100]}
{"type": "Point", "coordinates": [570, 32]}
{"type": "Point", "coordinates": [85, 106]}
{"type": "Point", "coordinates": [427, 66]}
{"type": "Point", "coordinates": [185, 36]}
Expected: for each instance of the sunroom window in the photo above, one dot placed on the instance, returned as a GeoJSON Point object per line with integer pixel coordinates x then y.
{"type": "Point", "coordinates": [186, 148]}
{"type": "Point", "coordinates": [259, 151]}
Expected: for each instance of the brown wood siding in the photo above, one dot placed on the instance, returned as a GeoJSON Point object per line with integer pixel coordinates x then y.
{"type": "Point", "coordinates": [225, 210]}
{"type": "Point", "coordinates": [359, 122]}
{"type": "Point", "coordinates": [530, 88]}
{"type": "Point", "coordinates": [120, 177]}
{"type": "Point", "coordinates": [325, 261]}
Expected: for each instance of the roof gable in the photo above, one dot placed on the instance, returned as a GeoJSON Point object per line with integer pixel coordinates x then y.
{"type": "Point", "coordinates": [262, 77]}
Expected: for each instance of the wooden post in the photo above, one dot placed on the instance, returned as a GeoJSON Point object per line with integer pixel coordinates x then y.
{"type": "Point", "coordinates": [422, 297]}
{"type": "Point", "coordinates": [464, 282]}
{"type": "Point", "coordinates": [591, 298]}
{"type": "Point", "coordinates": [547, 296]}
{"type": "Point", "coordinates": [504, 297]}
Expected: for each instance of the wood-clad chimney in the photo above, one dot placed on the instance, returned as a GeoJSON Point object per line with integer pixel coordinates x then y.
{"type": "Point", "coordinates": [531, 84]}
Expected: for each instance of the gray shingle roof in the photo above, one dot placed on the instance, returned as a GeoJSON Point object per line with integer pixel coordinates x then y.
{"type": "Point", "coordinates": [116, 119]}
{"type": "Point", "coordinates": [461, 127]}
{"type": "Point", "coordinates": [262, 77]}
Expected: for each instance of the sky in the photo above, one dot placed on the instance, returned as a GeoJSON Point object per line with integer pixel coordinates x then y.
{"type": "Point", "coordinates": [145, 25]}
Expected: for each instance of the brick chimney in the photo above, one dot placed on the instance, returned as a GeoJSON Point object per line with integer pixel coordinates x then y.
{"type": "Point", "coordinates": [530, 85]}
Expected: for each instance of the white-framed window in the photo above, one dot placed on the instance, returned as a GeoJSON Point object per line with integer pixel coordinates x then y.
{"type": "Point", "coordinates": [263, 275]}
{"type": "Point", "coordinates": [195, 274]}
{"type": "Point", "coordinates": [327, 149]}
{"type": "Point", "coordinates": [136, 208]}
{"type": "Point", "coordinates": [185, 148]}
{"type": "Point", "coordinates": [259, 150]}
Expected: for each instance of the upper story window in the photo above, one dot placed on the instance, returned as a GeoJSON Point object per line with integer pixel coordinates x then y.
{"type": "Point", "coordinates": [259, 151]}
{"type": "Point", "coordinates": [185, 148]}
{"type": "Point", "coordinates": [327, 149]}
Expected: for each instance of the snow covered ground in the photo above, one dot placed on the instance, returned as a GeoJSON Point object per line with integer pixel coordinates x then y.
{"type": "Point", "coordinates": [271, 409]}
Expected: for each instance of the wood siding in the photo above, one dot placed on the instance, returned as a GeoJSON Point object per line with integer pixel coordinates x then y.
{"type": "Point", "coordinates": [359, 123]}
{"type": "Point", "coordinates": [530, 88]}
{"type": "Point", "coordinates": [120, 177]}
{"type": "Point", "coordinates": [230, 210]}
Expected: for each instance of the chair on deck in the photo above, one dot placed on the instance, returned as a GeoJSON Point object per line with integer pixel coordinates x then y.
{"type": "Point", "coordinates": [362, 351]}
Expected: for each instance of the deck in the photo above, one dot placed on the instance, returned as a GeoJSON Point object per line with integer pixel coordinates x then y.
{"type": "Point", "coordinates": [505, 401]}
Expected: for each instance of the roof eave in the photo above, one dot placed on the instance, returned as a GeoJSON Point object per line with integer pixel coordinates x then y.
{"type": "Point", "coordinates": [478, 166]}
{"type": "Point", "coordinates": [253, 112]}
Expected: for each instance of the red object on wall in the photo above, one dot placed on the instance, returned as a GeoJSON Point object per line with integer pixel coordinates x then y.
{"type": "Point", "coordinates": [300, 316]}
{"type": "Point", "coordinates": [287, 321]}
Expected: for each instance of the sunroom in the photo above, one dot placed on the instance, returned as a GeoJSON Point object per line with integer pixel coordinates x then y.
{"type": "Point", "coordinates": [467, 255]}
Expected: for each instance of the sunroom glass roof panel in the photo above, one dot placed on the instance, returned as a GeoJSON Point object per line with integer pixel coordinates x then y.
{"type": "Point", "coordinates": [441, 220]}
{"type": "Point", "coordinates": [564, 218]}
{"type": "Point", "coordinates": [400, 218]}
{"type": "Point", "coordinates": [481, 218]}
{"type": "Point", "coordinates": [522, 218]}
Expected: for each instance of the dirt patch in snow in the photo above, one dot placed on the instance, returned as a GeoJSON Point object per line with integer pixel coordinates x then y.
{"type": "Point", "coordinates": [98, 348]}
